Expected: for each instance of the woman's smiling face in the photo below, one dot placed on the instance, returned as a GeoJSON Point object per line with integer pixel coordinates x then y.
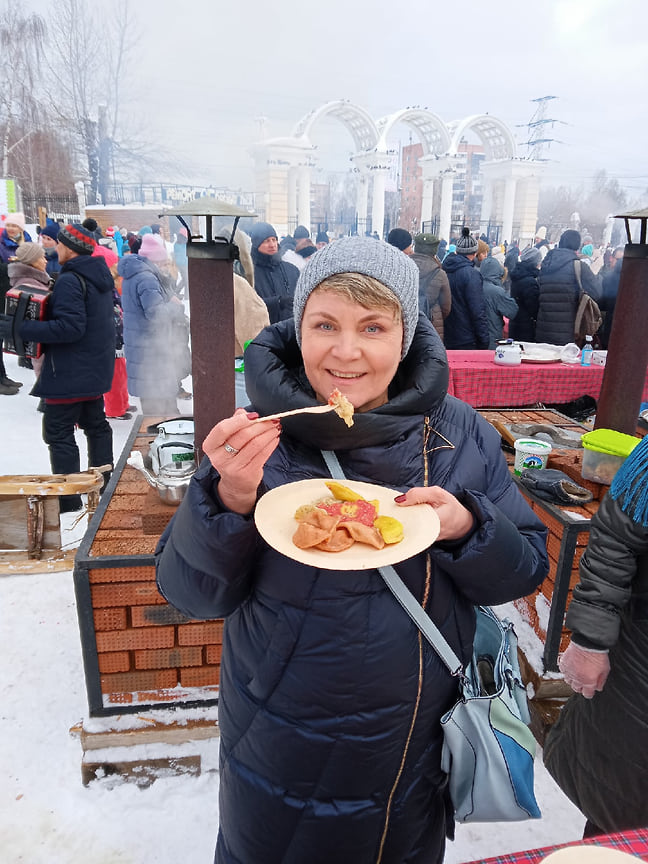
{"type": "Point", "coordinates": [351, 347]}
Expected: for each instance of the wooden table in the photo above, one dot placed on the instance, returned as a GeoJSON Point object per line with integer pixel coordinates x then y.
{"type": "Point", "coordinates": [476, 379]}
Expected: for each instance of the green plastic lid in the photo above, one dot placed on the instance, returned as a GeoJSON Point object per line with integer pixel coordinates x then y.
{"type": "Point", "coordinates": [610, 441]}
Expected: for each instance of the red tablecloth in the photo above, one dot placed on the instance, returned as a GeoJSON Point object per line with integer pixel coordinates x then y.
{"type": "Point", "coordinates": [631, 842]}
{"type": "Point", "coordinates": [476, 379]}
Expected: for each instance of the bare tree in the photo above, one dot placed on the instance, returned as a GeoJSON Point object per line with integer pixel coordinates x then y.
{"type": "Point", "coordinates": [21, 51]}
{"type": "Point", "coordinates": [91, 60]}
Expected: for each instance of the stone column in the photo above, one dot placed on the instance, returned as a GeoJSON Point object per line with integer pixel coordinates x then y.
{"type": "Point", "coordinates": [362, 194]}
{"type": "Point", "coordinates": [378, 204]}
{"type": "Point", "coordinates": [445, 214]}
{"type": "Point", "coordinates": [303, 199]}
{"type": "Point", "coordinates": [427, 201]}
{"type": "Point", "coordinates": [509, 204]}
{"type": "Point", "coordinates": [292, 199]}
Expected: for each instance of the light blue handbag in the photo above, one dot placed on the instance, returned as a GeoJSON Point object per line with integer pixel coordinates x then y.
{"type": "Point", "coordinates": [488, 749]}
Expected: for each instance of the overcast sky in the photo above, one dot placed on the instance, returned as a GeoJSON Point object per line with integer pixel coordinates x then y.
{"type": "Point", "coordinates": [206, 70]}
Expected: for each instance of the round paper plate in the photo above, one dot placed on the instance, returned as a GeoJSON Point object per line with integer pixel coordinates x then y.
{"type": "Point", "coordinates": [540, 359]}
{"type": "Point", "coordinates": [275, 520]}
{"type": "Point", "coordinates": [588, 854]}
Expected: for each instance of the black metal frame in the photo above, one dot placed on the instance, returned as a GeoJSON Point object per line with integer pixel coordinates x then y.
{"type": "Point", "coordinates": [571, 529]}
{"type": "Point", "coordinates": [82, 565]}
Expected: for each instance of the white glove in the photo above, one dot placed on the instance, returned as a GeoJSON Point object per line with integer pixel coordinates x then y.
{"type": "Point", "coordinates": [584, 669]}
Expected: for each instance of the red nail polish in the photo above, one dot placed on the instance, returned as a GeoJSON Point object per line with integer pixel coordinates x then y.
{"type": "Point", "coordinates": [400, 498]}
{"type": "Point", "coordinates": [252, 415]}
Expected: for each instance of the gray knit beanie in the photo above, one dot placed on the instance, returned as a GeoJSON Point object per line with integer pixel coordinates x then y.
{"type": "Point", "coordinates": [531, 255]}
{"type": "Point", "coordinates": [364, 255]}
{"type": "Point", "coordinates": [466, 244]}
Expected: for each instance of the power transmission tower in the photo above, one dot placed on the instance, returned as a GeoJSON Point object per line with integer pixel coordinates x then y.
{"type": "Point", "coordinates": [538, 142]}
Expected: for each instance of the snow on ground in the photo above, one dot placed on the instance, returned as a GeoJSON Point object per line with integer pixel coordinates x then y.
{"type": "Point", "coordinates": [46, 815]}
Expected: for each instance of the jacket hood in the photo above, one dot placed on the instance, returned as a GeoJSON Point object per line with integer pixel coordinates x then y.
{"type": "Point", "coordinates": [132, 265]}
{"type": "Point", "coordinates": [425, 263]}
{"type": "Point", "coordinates": [558, 259]}
{"type": "Point", "coordinates": [454, 262]}
{"type": "Point", "coordinates": [492, 270]}
{"type": "Point", "coordinates": [92, 268]}
{"type": "Point", "coordinates": [274, 358]}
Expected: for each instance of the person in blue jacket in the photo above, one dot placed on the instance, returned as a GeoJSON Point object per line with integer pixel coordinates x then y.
{"type": "Point", "coordinates": [79, 344]}
{"type": "Point", "coordinates": [466, 327]}
{"type": "Point", "coordinates": [330, 698]}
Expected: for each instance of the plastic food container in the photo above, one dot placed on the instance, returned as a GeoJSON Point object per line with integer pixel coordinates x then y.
{"type": "Point", "coordinates": [604, 451]}
{"type": "Point", "coordinates": [530, 453]}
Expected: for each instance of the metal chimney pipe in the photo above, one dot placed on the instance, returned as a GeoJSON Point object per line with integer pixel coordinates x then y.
{"type": "Point", "coordinates": [211, 306]}
{"type": "Point", "coordinates": [627, 357]}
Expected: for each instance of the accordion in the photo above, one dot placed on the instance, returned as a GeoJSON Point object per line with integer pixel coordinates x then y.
{"type": "Point", "coordinates": [25, 303]}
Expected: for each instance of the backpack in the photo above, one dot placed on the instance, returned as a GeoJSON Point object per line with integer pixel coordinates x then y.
{"type": "Point", "coordinates": [588, 315]}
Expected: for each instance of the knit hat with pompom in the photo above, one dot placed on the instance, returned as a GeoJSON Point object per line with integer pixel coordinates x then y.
{"type": "Point", "coordinates": [466, 244]}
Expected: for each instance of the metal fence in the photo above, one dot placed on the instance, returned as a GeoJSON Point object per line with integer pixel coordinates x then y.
{"type": "Point", "coordinates": [65, 207]}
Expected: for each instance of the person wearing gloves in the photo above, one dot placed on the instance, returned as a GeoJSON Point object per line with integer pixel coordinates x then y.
{"type": "Point", "coordinates": [596, 751]}
{"type": "Point", "coordinates": [330, 698]}
{"type": "Point", "coordinates": [274, 279]}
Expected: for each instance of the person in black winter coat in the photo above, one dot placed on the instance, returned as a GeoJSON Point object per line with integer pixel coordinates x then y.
{"type": "Point", "coordinates": [330, 698]}
{"type": "Point", "coordinates": [79, 342]}
{"type": "Point", "coordinates": [610, 289]}
{"type": "Point", "coordinates": [560, 292]}
{"type": "Point", "coordinates": [466, 327]}
{"type": "Point", "coordinates": [274, 279]}
{"type": "Point", "coordinates": [597, 751]}
{"type": "Point", "coordinates": [526, 291]}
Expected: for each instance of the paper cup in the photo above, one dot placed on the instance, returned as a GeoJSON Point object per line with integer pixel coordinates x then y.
{"type": "Point", "coordinates": [530, 453]}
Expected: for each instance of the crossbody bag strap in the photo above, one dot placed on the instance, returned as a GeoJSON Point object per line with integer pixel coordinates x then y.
{"type": "Point", "coordinates": [402, 593]}
{"type": "Point", "coordinates": [577, 271]}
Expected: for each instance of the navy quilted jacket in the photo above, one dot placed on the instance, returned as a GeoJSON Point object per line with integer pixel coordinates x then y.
{"type": "Point", "coordinates": [329, 699]}
{"type": "Point", "coordinates": [79, 333]}
{"type": "Point", "coordinates": [466, 327]}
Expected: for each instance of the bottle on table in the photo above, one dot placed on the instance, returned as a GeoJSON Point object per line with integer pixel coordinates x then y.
{"type": "Point", "coordinates": [586, 352]}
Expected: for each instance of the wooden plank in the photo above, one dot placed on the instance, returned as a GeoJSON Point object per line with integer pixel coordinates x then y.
{"type": "Point", "coordinates": [142, 772]}
{"type": "Point", "coordinates": [17, 563]}
{"type": "Point", "coordinates": [152, 733]}
{"type": "Point", "coordinates": [13, 523]}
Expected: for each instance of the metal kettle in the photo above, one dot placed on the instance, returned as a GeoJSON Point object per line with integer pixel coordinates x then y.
{"type": "Point", "coordinates": [171, 483]}
{"type": "Point", "coordinates": [508, 353]}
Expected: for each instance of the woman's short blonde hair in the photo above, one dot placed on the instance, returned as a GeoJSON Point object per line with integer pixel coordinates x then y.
{"type": "Point", "coordinates": [362, 289]}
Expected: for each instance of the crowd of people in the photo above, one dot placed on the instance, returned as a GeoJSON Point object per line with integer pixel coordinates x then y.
{"type": "Point", "coordinates": [324, 665]}
{"type": "Point", "coordinates": [529, 294]}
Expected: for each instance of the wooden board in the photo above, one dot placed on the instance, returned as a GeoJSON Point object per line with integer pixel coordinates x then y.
{"type": "Point", "coordinates": [49, 484]}
{"type": "Point", "coordinates": [153, 733]}
{"type": "Point", "coordinates": [14, 520]}
{"type": "Point", "coordinates": [17, 563]}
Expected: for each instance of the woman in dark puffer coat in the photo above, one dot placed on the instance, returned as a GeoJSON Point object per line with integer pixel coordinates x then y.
{"type": "Point", "coordinates": [330, 698]}
{"type": "Point", "coordinates": [274, 279]}
{"type": "Point", "coordinates": [525, 291]}
{"type": "Point", "coordinates": [154, 327]}
{"type": "Point", "coordinates": [597, 750]}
